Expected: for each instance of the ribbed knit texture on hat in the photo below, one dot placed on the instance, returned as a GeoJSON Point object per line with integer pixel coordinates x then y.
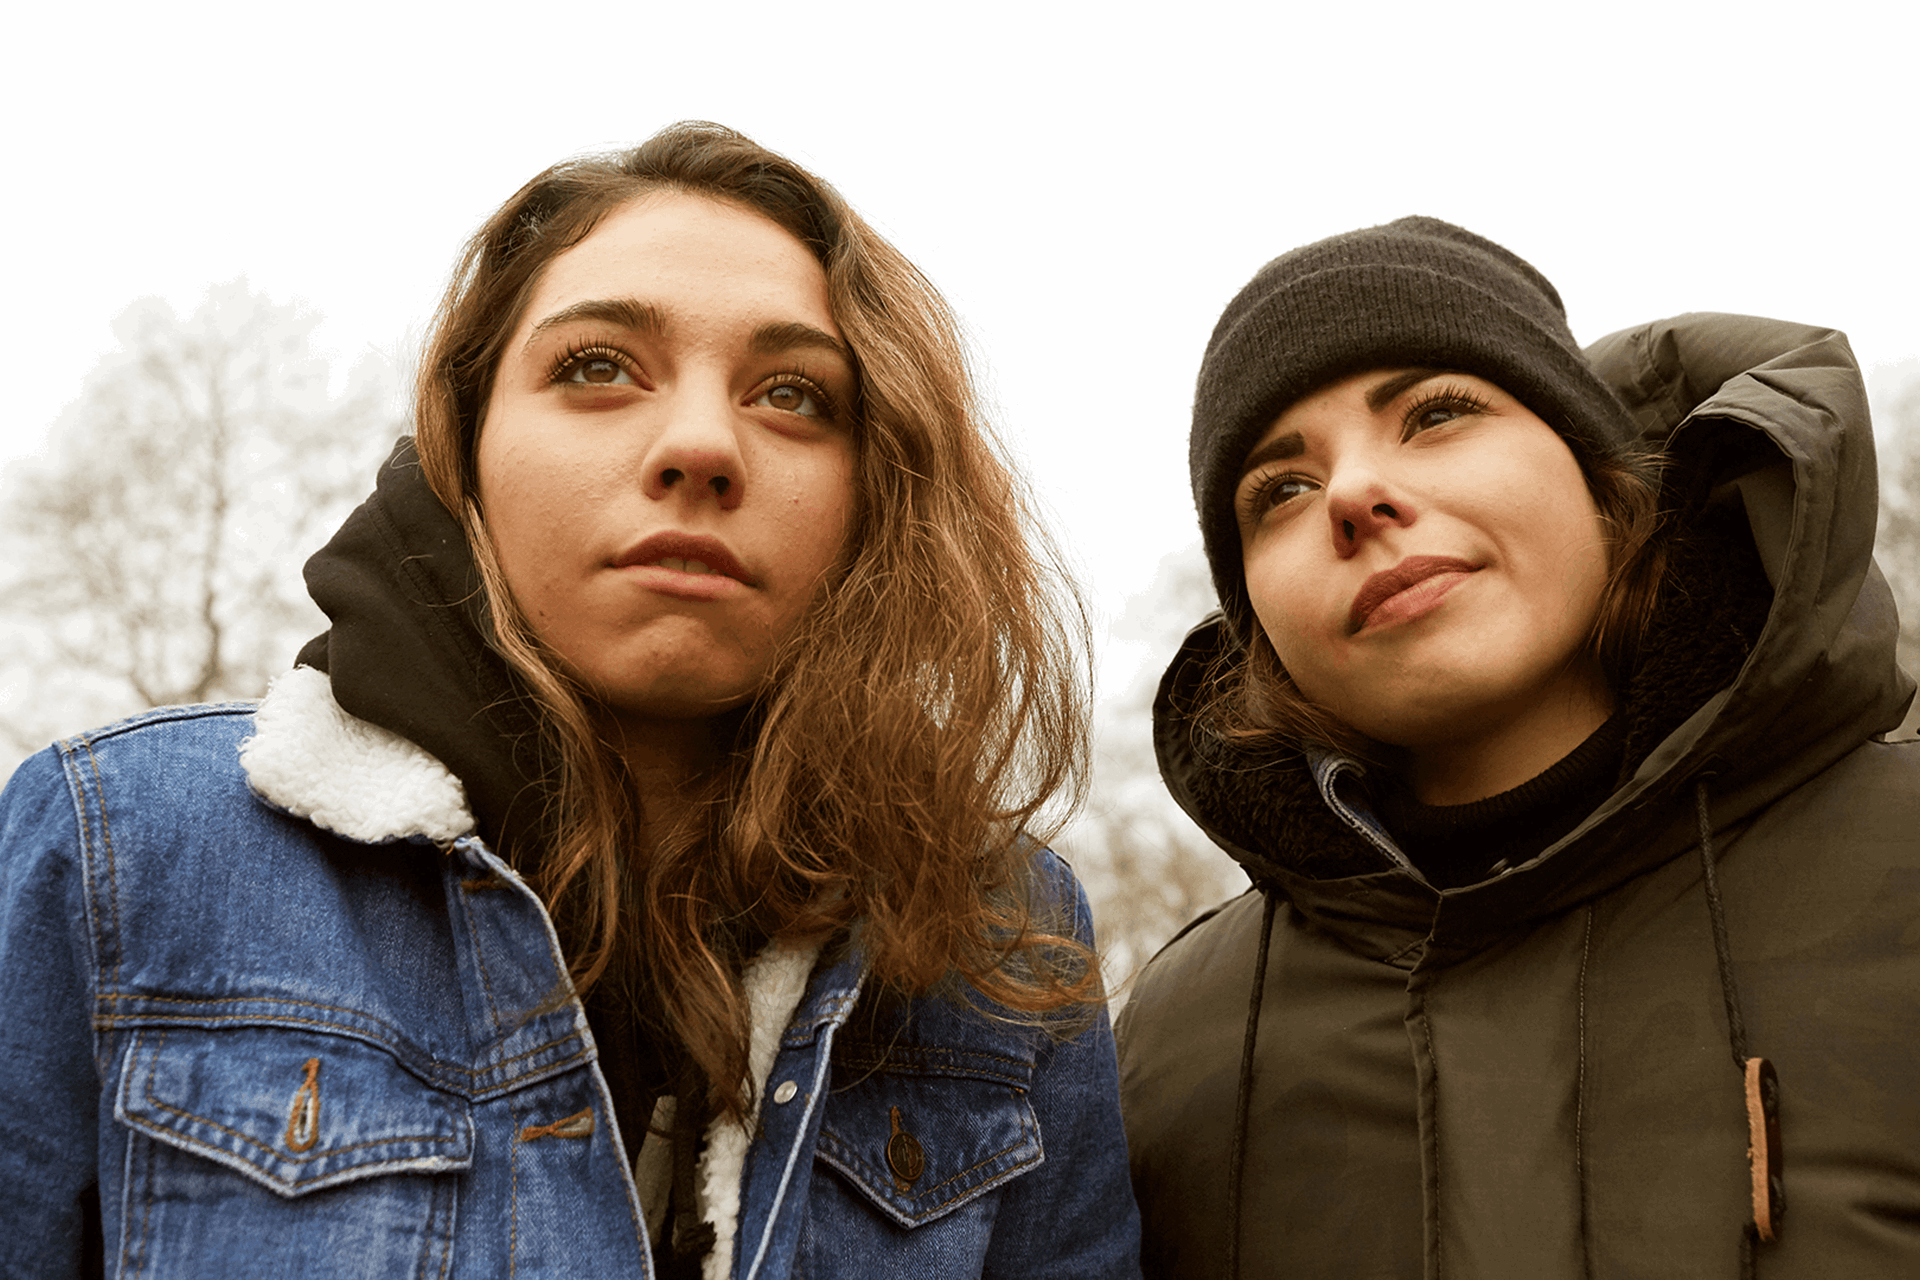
{"type": "Point", "coordinates": [1416, 293]}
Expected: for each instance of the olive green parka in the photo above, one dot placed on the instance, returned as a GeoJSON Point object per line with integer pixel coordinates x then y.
{"type": "Point", "coordinates": [1534, 1076]}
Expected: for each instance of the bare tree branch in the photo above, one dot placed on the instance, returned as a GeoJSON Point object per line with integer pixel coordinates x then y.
{"type": "Point", "coordinates": [155, 548]}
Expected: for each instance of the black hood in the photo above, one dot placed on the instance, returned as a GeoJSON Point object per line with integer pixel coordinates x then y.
{"type": "Point", "coordinates": [407, 648]}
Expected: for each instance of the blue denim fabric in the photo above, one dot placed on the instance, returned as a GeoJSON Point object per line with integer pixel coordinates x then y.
{"type": "Point", "coordinates": [276, 1052]}
{"type": "Point", "coordinates": [1329, 771]}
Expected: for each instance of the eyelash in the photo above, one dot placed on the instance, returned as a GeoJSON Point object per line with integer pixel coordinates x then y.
{"type": "Point", "coordinates": [578, 353]}
{"type": "Point", "coordinates": [829, 407]}
{"type": "Point", "coordinates": [1462, 399]}
{"type": "Point", "coordinates": [1255, 502]}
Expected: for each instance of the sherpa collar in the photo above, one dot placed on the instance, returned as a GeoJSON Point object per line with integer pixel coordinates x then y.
{"type": "Point", "coordinates": [310, 758]}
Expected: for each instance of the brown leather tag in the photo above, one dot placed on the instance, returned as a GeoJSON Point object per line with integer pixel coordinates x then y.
{"type": "Point", "coordinates": [1763, 1148]}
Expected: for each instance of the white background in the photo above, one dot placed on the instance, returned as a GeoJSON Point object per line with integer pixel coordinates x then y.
{"type": "Point", "coordinates": [1088, 184]}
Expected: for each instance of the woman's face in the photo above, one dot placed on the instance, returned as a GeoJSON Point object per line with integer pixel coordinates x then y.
{"type": "Point", "coordinates": [666, 462]}
{"type": "Point", "coordinates": [1426, 559]}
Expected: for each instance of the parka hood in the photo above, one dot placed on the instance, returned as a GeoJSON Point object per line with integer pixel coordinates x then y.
{"type": "Point", "coordinates": [1776, 658]}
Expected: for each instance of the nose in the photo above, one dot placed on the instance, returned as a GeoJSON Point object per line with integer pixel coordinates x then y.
{"type": "Point", "coordinates": [1360, 505]}
{"type": "Point", "coordinates": [696, 455]}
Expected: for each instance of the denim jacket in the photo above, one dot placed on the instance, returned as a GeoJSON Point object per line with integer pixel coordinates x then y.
{"type": "Point", "coordinates": [299, 1021]}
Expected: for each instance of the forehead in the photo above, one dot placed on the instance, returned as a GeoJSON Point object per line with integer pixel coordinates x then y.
{"type": "Point", "coordinates": [688, 253]}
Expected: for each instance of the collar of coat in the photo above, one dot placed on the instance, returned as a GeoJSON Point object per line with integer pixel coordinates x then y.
{"type": "Point", "coordinates": [309, 758]}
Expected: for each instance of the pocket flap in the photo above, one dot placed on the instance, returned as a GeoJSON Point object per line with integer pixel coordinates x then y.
{"type": "Point", "coordinates": [293, 1110]}
{"type": "Point", "coordinates": [921, 1145]}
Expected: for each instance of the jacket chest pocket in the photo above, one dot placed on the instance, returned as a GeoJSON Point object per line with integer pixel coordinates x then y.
{"type": "Point", "coordinates": [920, 1138]}
{"type": "Point", "coordinates": [294, 1150]}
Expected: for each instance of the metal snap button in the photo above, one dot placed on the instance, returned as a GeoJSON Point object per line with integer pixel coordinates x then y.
{"type": "Point", "coordinates": [785, 1091]}
{"type": "Point", "coordinates": [905, 1156]}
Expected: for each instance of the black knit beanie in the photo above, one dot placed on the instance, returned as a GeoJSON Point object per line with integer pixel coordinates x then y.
{"type": "Point", "coordinates": [1417, 293]}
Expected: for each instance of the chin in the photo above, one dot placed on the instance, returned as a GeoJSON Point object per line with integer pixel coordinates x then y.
{"type": "Point", "coordinates": [1423, 715]}
{"type": "Point", "coordinates": [678, 702]}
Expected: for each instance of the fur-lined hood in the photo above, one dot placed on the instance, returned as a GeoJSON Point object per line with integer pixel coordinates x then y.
{"type": "Point", "coordinates": [1774, 660]}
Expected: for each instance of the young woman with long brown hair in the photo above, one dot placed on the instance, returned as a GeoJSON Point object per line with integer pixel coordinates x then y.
{"type": "Point", "coordinates": [632, 878]}
{"type": "Point", "coordinates": [1545, 711]}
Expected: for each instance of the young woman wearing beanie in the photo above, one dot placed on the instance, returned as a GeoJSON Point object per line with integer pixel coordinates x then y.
{"type": "Point", "coordinates": [631, 881]}
{"type": "Point", "coordinates": [1544, 710]}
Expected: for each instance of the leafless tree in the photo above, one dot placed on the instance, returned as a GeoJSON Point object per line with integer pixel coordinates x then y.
{"type": "Point", "coordinates": [1146, 868]}
{"type": "Point", "coordinates": [1897, 544]}
{"type": "Point", "coordinates": [155, 545]}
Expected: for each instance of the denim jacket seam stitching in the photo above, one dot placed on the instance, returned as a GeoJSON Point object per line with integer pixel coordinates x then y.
{"type": "Point", "coordinates": [604, 1097]}
{"type": "Point", "coordinates": [396, 1041]}
{"type": "Point", "coordinates": [451, 1220]}
{"type": "Point", "coordinates": [966, 1062]}
{"type": "Point", "coordinates": [438, 1231]}
{"type": "Point", "coordinates": [943, 1051]}
{"type": "Point", "coordinates": [843, 1158]}
{"type": "Point", "coordinates": [89, 896]}
{"type": "Point", "coordinates": [393, 1048]}
{"type": "Point", "coordinates": [374, 1019]}
{"type": "Point", "coordinates": [802, 1031]}
{"type": "Point", "coordinates": [513, 1193]}
{"type": "Point", "coordinates": [204, 1145]}
{"type": "Point", "coordinates": [506, 1083]}
{"type": "Point", "coordinates": [98, 794]}
{"type": "Point", "coordinates": [870, 1069]}
{"type": "Point", "coordinates": [480, 963]}
{"type": "Point", "coordinates": [822, 1067]}
{"type": "Point", "coordinates": [471, 1073]}
{"type": "Point", "coordinates": [146, 1213]}
{"type": "Point", "coordinates": [1029, 1131]}
{"type": "Point", "coordinates": [1002, 1174]}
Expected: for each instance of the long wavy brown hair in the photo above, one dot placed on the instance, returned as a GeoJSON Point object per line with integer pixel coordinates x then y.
{"type": "Point", "coordinates": [1254, 702]}
{"type": "Point", "coordinates": [928, 708]}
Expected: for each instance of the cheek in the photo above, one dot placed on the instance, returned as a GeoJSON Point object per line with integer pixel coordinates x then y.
{"type": "Point", "coordinates": [532, 499]}
{"type": "Point", "coordinates": [1281, 595]}
{"type": "Point", "coordinates": [1587, 584]}
{"type": "Point", "coordinates": [514, 506]}
{"type": "Point", "coordinates": [820, 505]}
{"type": "Point", "coordinates": [1578, 559]}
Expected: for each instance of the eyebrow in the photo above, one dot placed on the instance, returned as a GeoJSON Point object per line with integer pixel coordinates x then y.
{"type": "Point", "coordinates": [1278, 449]}
{"type": "Point", "coordinates": [1398, 385]}
{"type": "Point", "coordinates": [792, 335]}
{"type": "Point", "coordinates": [628, 313]}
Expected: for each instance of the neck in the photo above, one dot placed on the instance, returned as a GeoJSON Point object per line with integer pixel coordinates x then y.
{"type": "Point", "coordinates": [1499, 755]}
{"type": "Point", "coordinates": [664, 756]}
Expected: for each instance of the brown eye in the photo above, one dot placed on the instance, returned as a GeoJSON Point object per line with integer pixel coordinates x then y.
{"type": "Point", "coordinates": [1436, 415]}
{"type": "Point", "coordinates": [792, 398]}
{"type": "Point", "coordinates": [1447, 404]}
{"type": "Point", "coordinates": [1266, 493]}
{"type": "Point", "coordinates": [595, 366]}
{"type": "Point", "coordinates": [599, 371]}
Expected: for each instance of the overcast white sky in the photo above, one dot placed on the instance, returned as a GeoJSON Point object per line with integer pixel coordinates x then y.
{"type": "Point", "coordinates": [1089, 184]}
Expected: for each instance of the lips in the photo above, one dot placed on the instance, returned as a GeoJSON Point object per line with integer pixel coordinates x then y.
{"type": "Point", "coordinates": [1388, 583]}
{"type": "Point", "coordinates": [684, 553]}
